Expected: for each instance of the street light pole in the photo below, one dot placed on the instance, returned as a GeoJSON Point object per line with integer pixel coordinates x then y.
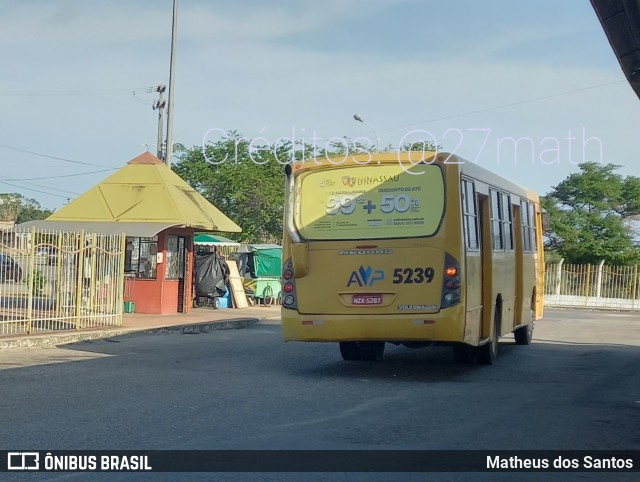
{"type": "Point", "coordinates": [360, 119]}
{"type": "Point", "coordinates": [169, 143]}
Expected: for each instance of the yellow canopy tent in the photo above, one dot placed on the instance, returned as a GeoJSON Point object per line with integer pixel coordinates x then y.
{"type": "Point", "coordinates": [145, 191]}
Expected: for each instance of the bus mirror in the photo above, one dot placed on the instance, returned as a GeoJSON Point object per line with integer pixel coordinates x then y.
{"type": "Point", "coordinates": [545, 222]}
{"type": "Point", "coordinates": [299, 254]}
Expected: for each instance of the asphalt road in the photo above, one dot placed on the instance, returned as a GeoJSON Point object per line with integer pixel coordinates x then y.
{"type": "Point", "coordinates": [577, 387]}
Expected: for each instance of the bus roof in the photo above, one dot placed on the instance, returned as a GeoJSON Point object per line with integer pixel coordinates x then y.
{"type": "Point", "coordinates": [492, 179]}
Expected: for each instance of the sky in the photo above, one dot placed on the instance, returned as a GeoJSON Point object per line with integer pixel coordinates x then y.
{"type": "Point", "coordinates": [528, 89]}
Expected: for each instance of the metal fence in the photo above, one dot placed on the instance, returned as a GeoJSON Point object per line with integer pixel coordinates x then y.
{"type": "Point", "coordinates": [592, 285]}
{"type": "Point", "coordinates": [54, 280]}
{"type": "Point", "coordinates": [227, 251]}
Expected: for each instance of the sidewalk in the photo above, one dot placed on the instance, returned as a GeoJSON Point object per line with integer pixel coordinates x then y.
{"type": "Point", "coordinates": [199, 320]}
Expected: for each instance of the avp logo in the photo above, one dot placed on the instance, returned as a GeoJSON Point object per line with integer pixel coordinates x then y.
{"type": "Point", "coordinates": [23, 461]}
{"type": "Point", "coordinates": [365, 276]}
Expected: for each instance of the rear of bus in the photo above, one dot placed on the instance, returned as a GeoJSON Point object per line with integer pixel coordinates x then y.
{"type": "Point", "coordinates": [372, 251]}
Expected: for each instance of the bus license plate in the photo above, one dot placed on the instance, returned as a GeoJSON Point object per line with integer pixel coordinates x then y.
{"type": "Point", "coordinates": [366, 299]}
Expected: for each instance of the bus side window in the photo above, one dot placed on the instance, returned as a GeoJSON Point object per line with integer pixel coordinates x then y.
{"type": "Point", "coordinates": [496, 221]}
{"type": "Point", "coordinates": [532, 228]}
{"type": "Point", "coordinates": [529, 235]}
{"type": "Point", "coordinates": [469, 215]}
{"type": "Point", "coordinates": [506, 222]}
{"type": "Point", "coordinates": [525, 225]}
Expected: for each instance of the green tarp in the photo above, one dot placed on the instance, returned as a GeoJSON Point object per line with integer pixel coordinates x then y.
{"type": "Point", "coordinates": [267, 262]}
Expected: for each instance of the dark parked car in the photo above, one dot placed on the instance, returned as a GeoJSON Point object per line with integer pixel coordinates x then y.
{"type": "Point", "coordinates": [9, 269]}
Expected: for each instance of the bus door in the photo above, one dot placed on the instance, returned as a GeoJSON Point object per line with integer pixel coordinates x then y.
{"type": "Point", "coordinates": [473, 259]}
{"type": "Point", "coordinates": [518, 246]}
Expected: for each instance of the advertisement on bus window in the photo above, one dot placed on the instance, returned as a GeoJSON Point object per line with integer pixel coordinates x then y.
{"type": "Point", "coordinates": [366, 202]}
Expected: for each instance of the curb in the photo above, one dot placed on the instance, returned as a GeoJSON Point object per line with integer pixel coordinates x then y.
{"type": "Point", "coordinates": [592, 308]}
{"type": "Point", "coordinates": [205, 327]}
{"type": "Point", "coordinates": [49, 340]}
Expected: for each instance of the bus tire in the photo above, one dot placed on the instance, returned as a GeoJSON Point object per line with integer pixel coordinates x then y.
{"type": "Point", "coordinates": [362, 350]}
{"type": "Point", "coordinates": [350, 350]}
{"type": "Point", "coordinates": [463, 353]}
{"type": "Point", "coordinates": [524, 334]}
{"type": "Point", "coordinates": [488, 353]}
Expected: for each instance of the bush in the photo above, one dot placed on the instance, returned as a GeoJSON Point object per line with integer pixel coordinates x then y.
{"type": "Point", "coordinates": [39, 281]}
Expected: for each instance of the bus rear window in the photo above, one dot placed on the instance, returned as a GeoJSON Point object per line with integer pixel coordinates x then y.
{"type": "Point", "coordinates": [369, 202]}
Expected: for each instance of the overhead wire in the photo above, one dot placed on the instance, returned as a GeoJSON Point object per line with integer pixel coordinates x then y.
{"type": "Point", "coordinates": [72, 92]}
{"type": "Point", "coordinates": [27, 151]}
{"type": "Point", "coordinates": [60, 176]}
{"type": "Point", "coordinates": [503, 106]}
{"type": "Point", "coordinates": [152, 89]}
{"type": "Point", "coordinates": [35, 190]}
{"type": "Point", "coordinates": [5, 178]}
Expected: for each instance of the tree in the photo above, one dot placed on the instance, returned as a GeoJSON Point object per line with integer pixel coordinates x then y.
{"type": "Point", "coordinates": [587, 213]}
{"type": "Point", "coordinates": [19, 209]}
{"type": "Point", "coordinates": [249, 189]}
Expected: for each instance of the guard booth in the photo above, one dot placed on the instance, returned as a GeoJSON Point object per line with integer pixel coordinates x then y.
{"type": "Point", "coordinates": [159, 213]}
{"type": "Point", "coordinates": [261, 267]}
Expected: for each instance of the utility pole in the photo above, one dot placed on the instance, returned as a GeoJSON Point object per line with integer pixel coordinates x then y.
{"type": "Point", "coordinates": [169, 148]}
{"type": "Point", "coordinates": [160, 106]}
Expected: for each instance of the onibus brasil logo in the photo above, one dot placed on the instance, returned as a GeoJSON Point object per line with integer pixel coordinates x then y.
{"type": "Point", "coordinates": [365, 276]}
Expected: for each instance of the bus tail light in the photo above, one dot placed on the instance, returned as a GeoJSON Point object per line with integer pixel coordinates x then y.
{"type": "Point", "coordinates": [289, 299]}
{"type": "Point", "coordinates": [450, 271]}
{"type": "Point", "coordinates": [450, 282]}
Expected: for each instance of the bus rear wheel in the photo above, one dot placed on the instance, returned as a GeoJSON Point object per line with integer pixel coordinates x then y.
{"type": "Point", "coordinates": [488, 353]}
{"type": "Point", "coordinates": [464, 353]}
{"type": "Point", "coordinates": [362, 350]}
{"type": "Point", "coordinates": [524, 334]}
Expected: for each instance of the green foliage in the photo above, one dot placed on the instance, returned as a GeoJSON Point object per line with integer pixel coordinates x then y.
{"type": "Point", "coordinates": [247, 189]}
{"type": "Point", "coordinates": [420, 145]}
{"type": "Point", "coordinates": [39, 282]}
{"type": "Point", "coordinates": [19, 209]}
{"type": "Point", "coordinates": [587, 213]}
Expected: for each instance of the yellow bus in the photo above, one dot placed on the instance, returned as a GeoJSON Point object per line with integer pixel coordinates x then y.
{"type": "Point", "coordinates": [409, 248]}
